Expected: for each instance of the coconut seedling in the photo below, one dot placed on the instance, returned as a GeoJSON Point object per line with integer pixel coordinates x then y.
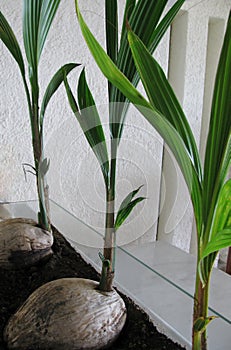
{"type": "Point", "coordinates": [145, 17]}
{"type": "Point", "coordinates": [37, 19]}
{"type": "Point", "coordinates": [208, 187]}
{"type": "Point", "coordinates": [94, 313]}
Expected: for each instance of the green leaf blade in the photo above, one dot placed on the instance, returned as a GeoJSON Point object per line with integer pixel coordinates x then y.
{"type": "Point", "coordinates": [91, 125]}
{"type": "Point", "coordinates": [220, 236]}
{"type": "Point", "coordinates": [129, 197]}
{"type": "Point", "coordinates": [37, 18]}
{"type": "Point", "coordinates": [126, 208]}
{"type": "Point", "coordinates": [221, 240]}
{"type": "Point", "coordinates": [128, 9]}
{"type": "Point", "coordinates": [111, 28]}
{"type": "Point", "coordinates": [10, 41]}
{"type": "Point", "coordinates": [218, 146]}
{"type": "Point", "coordinates": [162, 96]}
{"type": "Point", "coordinates": [154, 117]}
{"type": "Point", "coordinates": [163, 26]}
{"type": "Point", "coordinates": [220, 232]}
{"type": "Point", "coordinates": [53, 85]}
{"type": "Point", "coordinates": [144, 18]}
{"type": "Point", "coordinates": [71, 98]}
{"type": "Point", "coordinates": [111, 14]}
{"type": "Point", "coordinates": [48, 11]}
{"type": "Point", "coordinates": [31, 17]}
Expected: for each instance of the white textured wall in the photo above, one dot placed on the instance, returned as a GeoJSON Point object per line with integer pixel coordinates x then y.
{"type": "Point", "coordinates": [74, 177]}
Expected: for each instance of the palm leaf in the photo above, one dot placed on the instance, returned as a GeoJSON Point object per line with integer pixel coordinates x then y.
{"type": "Point", "coordinates": [162, 96]}
{"type": "Point", "coordinates": [221, 240]}
{"type": "Point", "coordinates": [222, 213]}
{"type": "Point", "coordinates": [124, 212]}
{"type": "Point", "coordinates": [89, 121]}
{"type": "Point", "coordinates": [163, 26]}
{"type": "Point", "coordinates": [31, 15]}
{"type": "Point", "coordinates": [48, 11]}
{"type": "Point", "coordinates": [160, 123]}
{"type": "Point", "coordinates": [220, 232]}
{"type": "Point", "coordinates": [111, 28]}
{"type": "Point", "coordinates": [9, 39]}
{"type": "Point", "coordinates": [37, 18]}
{"type": "Point", "coordinates": [53, 85]}
{"type": "Point", "coordinates": [129, 198]}
{"type": "Point", "coordinates": [127, 206]}
{"type": "Point", "coordinates": [144, 20]}
{"type": "Point", "coordinates": [111, 31]}
{"type": "Point", "coordinates": [218, 147]}
{"type": "Point", "coordinates": [128, 9]}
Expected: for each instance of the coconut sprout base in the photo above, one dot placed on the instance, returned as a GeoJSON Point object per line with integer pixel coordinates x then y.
{"type": "Point", "coordinates": [18, 284]}
{"type": "Point", "coordinates": [23, 243]}
{"type": "Point", "coordinates": [68, 313]}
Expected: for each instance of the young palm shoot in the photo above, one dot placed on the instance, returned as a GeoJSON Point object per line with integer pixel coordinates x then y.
{"type": "Point", "coordinates": [37, 18]}
{"type": "Point", "coordinates": [210, 192]}
{"type": "Point", "coordinates": [89, 120]}
{"type": "Point", "coordinates": [144, 15]}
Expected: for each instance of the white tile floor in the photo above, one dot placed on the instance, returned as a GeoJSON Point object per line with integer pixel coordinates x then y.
{"type": "Point", "coordinates": [159, 277]}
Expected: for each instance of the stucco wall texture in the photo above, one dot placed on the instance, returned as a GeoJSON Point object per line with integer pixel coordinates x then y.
{"type": "Point", "coordinates": [74, 177]}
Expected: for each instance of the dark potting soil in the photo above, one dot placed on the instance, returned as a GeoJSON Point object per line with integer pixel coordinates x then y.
{"type": "Point", "coordinates": [17, 285]}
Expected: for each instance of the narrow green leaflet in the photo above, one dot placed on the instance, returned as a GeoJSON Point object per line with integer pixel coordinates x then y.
{"type": "Point", "coordinates": [9, 39]}
{"type": "Point", "coordinates": [221, 228]}
{"type": "Point", "coordinates": [216, 196]}
{"type": "Point", "coordinates": [111, 14]}
{"type": "Point", "coordinates": [111, 28]}
{"type": "Point", "coordinates": [222, 214]}
{"type": "Point", "coordinates": [220, 232]}
{"type": "Point", "coordinates": [128, 9]}
{"type": "Point", "coordinates": [126, 208]}
{"type": "Point", "coordinates": [159, 32]}
{"type": "Point", "coordinates": [129, 198]}
{"type": "Point", "coordinates": [219, 137]}
{"type": "Point", "coordinates": [91, 124]}
{"type": "Point", "coordinates": [89, 120]}
{"type": "Point", "coordinates": [163, 26]}
{"type": "Point", "coordinates": [37, 18]}
{"type": "Point", "coordinates": [70, 96]}
{"type": "Point", "coordinates": [31, 15]}
{"type": "Point", "coordinates": [53, 85]}
{"type": "Point", "coordinates": [144, 17]}
{"type": "Point", "coordinates": [162, 96]}
{"type": "Point", "coordinates": [221, 240]}
{"type": "Point", "coordinates": [155, 118]}
{"type": "Point", "coordinates": [48, 11]}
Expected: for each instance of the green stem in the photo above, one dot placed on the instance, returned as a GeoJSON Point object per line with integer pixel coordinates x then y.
{"type": "Point", "coordinates": [108, 271]}
{"type": "Point", "coordinates": [201, 297]}
{"type": "Point", "coordinates": [42, 191]}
